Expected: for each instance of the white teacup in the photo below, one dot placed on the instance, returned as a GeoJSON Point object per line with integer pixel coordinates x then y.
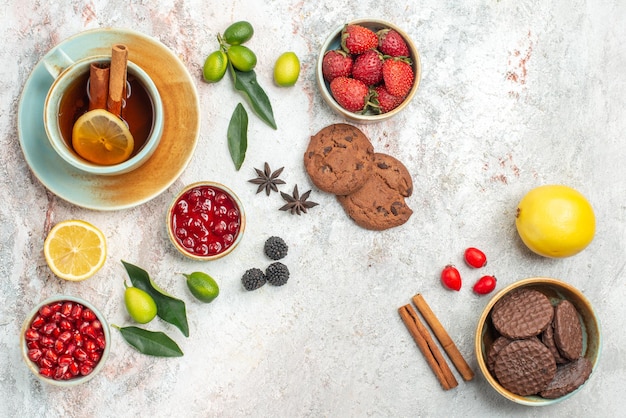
{"type": "Point", "coordinates": [66, 72]}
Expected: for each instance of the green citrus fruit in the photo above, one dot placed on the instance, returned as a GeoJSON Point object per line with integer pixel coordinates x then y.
{"type": "Point", "coordinates": [555, 221]}
{"type": "Point", "coordinates": [238, 33]}
{"type": "Point", "coordinates": [215, 66]}
{"type": "Point", "coordinates": [241, 57]}
{"type": "Point", "coordinates": [287, 69]}
{"type": "Point", "coordinates": [140, 305]}
{"type": "Point", "coordinates": [202, 286]}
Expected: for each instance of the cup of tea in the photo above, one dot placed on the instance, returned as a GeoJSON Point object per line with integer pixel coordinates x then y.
{"type": "Point", "coordinates": [69, 98]}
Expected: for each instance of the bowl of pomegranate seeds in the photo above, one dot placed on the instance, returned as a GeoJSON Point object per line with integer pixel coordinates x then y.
{"type": "Point", "coordinates": [368, 70]}
{"type": "Point", "coordinates": [65, 340]}
{"type": "Point", "coordinates": [206, 221]}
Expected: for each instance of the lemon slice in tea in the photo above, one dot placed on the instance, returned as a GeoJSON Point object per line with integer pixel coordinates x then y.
{"type": "Point", "coordinates": [102, 138]}
{"type": "Point", "coordinates": [75, 250]}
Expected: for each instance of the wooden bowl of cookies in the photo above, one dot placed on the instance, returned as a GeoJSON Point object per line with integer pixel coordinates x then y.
{"type": "Point", "coordinates": [336, 71]}
{"type": "Point", "coordinates": [538, 341]}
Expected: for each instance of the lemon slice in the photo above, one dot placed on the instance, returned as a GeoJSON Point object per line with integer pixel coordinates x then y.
{"type": "Point", "coordinates": [102, 138]}
{"type": "Point", "coordinates": [75, 250]}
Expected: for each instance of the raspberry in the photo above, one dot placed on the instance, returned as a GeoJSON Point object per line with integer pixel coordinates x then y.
{"type": "Point", "coordinates": [253, 278]}
{"type": "Point", "coordinates": [277, 274]}
{"type": "Point", "coordinates": [275, 248]}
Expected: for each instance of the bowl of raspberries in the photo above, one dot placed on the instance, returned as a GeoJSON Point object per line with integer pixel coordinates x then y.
{"type": "Point", "coordinates": [368, 70]}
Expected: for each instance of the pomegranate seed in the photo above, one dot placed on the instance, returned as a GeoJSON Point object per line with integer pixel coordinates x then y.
{"type": "Point", "coordinates": [86, 367]}
{"type": "Point", "coordinates": [67, 375]}
{"type": "Point", "coordinates": [46, 311]}
{"type": "Point", "coordinates": [65, 337]}
{"type": "Point", "coordinates": [46, 341]}
{"type": "Point", "coordinates": [95, 356]}
{"type": "Point", "coordinates": [38, 321]}
{"type": "Point", "coordinates": [59, 347]}
{"type": "Point", "coordinates": [101, 341]}
{"type": "Point", "coordinates": [45, 363]}
{"type": "Point", "coordinates": [90, 345]}
{"type": "Point", "coordinates": [65, 324]}
{"type": "Point", "coordinates": [59, 372]}
{"type": "Point", "coordinates": [56, 306]}
{"type": "Point", "coordinates": [80, 354]}
{"type": "Point", "coordinates": [65, 360]}
{"type": "Point", "coordinates": [32, 335]}
{"type": "Point", "coordinates": [70, 348]}
{"type": "Point", "coordinates": [96, 324]}
{"type": "Point", "coordinates": [77, 312]}
{"type": "Point", "coordinates": [45, 371]}
{"type": "Point", "coordinates": [48, 328]}
{"type": "Point", "coordinates": [89, 331]}
{"type": "Point", "coordinates": [32, 344]}
{"type": "Point", "coordinates": [78, 339]}
{"type": "Point", "coordinates": [52, 356]}
{"type": "Point", "coordinates": [73, 368]}
{"type": "Point", "coordinates": [67, 308]}
{"type": "Point", "coordinates": [88, 315]}
{"type": "Point", "coordinates": [34, 354]}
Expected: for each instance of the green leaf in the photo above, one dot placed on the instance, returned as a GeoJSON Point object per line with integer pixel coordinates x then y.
{"type": "Point", "coordinates": [169, 308]}
{"type": "Point", "coordinates": [238, 135]}
{"type": "Point", "coordinates": [151, 343]}
{"type": "Point", "coordinates": [246, 83]}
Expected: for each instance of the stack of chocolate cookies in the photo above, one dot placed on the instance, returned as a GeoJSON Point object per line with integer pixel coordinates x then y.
{"type": "Point", "coordinates": [370, 186]}
{"type": "Point", "coordinates": [539, 347]}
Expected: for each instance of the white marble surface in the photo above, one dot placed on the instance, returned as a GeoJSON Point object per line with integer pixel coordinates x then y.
{"type": "Point", "coordinates": [514, 94]}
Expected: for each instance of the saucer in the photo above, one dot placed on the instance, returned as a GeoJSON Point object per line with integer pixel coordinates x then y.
{"type": "Point", "coordinates": [180, 130]}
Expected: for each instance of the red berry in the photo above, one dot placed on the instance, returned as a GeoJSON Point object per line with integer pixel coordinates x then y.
{"type": "Point", "coordinates": [475, 258]}
{"type": "Point", "coordinates": [351, 94]}
{"type": "Point", "coordinates": [391, 43]}
{"type": "Point", "coordinates": [451, 278]}
{"type": "Point", "coordinates": [336, 63]}
{"type": "Point", "coordinates": [385, 101]}
{"type": "Point", "coordinates": [485, 285]}
{"type": "Point", "coordinates": [398, 76]}
{"type": "Point", "coordinates": [368, 67]}
{"type": "Point", "coordinates": [356, 39]}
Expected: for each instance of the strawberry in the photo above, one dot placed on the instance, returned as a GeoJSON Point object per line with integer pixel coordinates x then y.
{"type": "Point", "coordinates": [356, 39]}
{"type": "Point", "coordinates": [397, 76]}
{"type": "Point", "coordinates": [368, 67]}
{"type": "Point", "coordinates": [336, 63]}
{"type": "Point", "coordinates": [384, 102]}
{"type": "Point", "coordinates": [391, 43]}
{"type": "Point", "coordinates": [350, 93]}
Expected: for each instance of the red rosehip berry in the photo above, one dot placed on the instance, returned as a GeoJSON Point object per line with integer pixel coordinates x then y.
{"type": "Point", "coordinates": [485, 285]}
{"type": "Point", "coordinates": [475, 258]}
{"type": "Point", "coordinates": [451, 278]}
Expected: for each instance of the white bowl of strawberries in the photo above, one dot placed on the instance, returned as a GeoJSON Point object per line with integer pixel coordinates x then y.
{"type": "Point", "coordinates": [368, 70]}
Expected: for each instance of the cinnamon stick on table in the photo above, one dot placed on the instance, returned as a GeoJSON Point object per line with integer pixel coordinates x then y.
{"type": "Point", "coordinates": [427, 346]}
{"type": "Point", "coordinates": [98, 85]}
{"type": "Point", "coordinates": [117, 79]}
{"type": "Point", "coordinates": [444, 339]}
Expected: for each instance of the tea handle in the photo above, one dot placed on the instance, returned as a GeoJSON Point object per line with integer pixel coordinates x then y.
{"type": "Point", "coordinates": [56, 62]}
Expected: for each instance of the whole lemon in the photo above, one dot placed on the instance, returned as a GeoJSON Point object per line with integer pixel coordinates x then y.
{"type": "Point", "coordinates": [555, 221]}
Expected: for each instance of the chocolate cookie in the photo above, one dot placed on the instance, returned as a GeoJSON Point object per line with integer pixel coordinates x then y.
{"type": "Point", "coordinates": [547, 337]}
{"type": "Point", "coordinates": [568, 378]}
{"type": "Point", "coordinates": [522, 313]}
{"type": "Point", "coordinates": [497, 345]}
{"type": "Point", "coordinates": [380, 203]}
{"type": "Point", "coordinates": [568, 333]}
{"type": "Point", "coordinates": [339, 159]}
{"type": "Point", "coordinates": [525, 367]}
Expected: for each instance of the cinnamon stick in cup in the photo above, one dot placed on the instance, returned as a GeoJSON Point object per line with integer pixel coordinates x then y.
{"type": "Point", "coordinates": [98, 85]}
{"type": "Point", "coordinates": [117, 79]}
{"type": "Point", "coordinates": [442, 335]}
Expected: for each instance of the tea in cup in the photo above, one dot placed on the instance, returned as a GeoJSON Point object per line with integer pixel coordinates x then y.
{"type": "Point", "coordinates": [69, 98]}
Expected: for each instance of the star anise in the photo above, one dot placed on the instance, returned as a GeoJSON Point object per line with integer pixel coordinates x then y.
{"type": "Point", "coordinates": [297, 204]}
{"type": "Point", "coordinates": [267, 179]}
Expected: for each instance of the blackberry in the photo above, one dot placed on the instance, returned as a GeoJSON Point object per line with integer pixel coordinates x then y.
{"type": "Point", "coordinates": [253, 278]}
{"type": "Point", "coordinates": [277, 274]}
{"type": "Point", "coordinates": [275, 248]}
